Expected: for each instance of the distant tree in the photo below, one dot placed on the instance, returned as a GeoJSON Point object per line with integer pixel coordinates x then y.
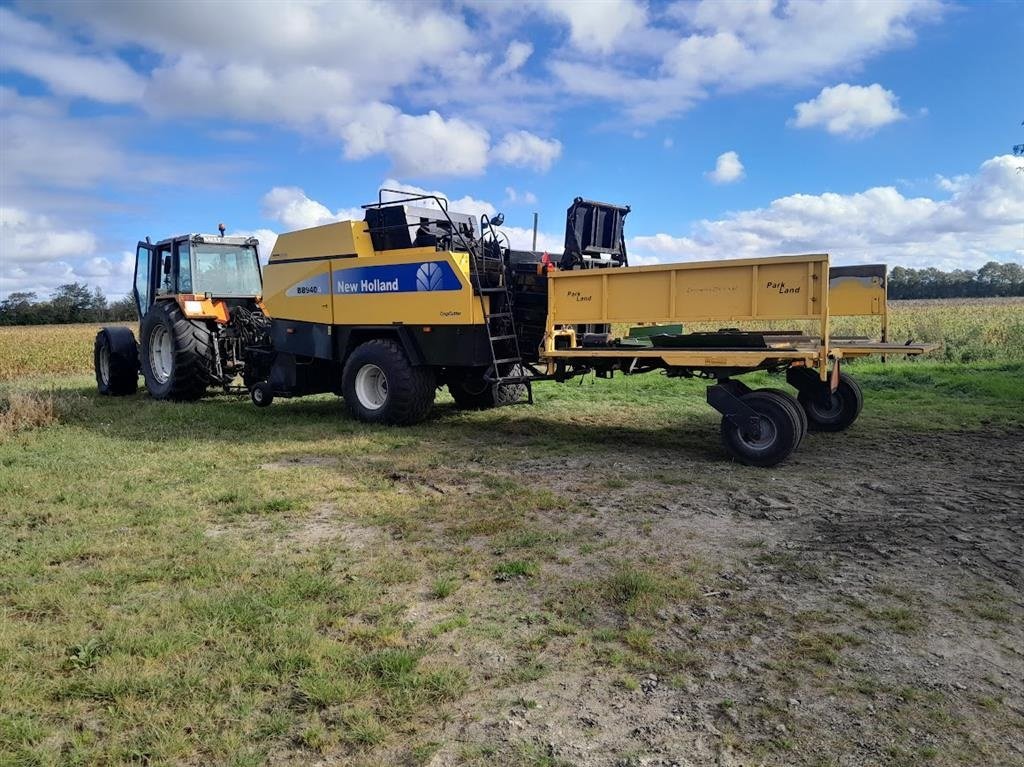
{"type": "Point", "coordinates": [993, 279]}
{"type": "Point", "coordinates": [17, 308]}
{"type": "Point", "coordinates": [121, 310]}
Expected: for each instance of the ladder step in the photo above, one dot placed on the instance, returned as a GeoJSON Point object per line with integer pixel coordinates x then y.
{"type": "Point", "coordinates": [499, 289]}
{"type": "Point", "coordinates": [502, 360]}
{"type": "Point", "coordinates": [503, 337]}
{"type": "Point", "coordinates": [498, 314]}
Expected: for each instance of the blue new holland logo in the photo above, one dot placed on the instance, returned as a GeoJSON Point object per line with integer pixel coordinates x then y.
{"type": "Point", "coordinates": [397, 278]}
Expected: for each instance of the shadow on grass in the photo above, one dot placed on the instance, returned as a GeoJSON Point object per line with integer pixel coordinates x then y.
{"type": "Point", "coordinates": [544, 428]}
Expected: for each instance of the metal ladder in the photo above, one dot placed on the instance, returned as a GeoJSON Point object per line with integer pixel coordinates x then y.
{"type": "Point", "coordinates": [507, 367]}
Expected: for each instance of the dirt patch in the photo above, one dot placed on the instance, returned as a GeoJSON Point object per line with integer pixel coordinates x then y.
{"type": "Point", "coordinates": [859, 605]}
{"type": "Point", "coordinates": [324, 524]}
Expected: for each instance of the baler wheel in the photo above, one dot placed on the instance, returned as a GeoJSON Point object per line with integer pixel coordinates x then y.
{"type": "Point", "coordinates": [473, 392]}
{"type": "Point", "coordinates": [776, 438]}
{"type": "Point", "coordinates": [380, 385]}
{"type": "Point", "coordinates": [845, 405]}
{"type": "Point", "coordinates": [261, 394]}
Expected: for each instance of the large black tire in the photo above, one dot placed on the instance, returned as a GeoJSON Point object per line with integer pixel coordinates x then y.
{"type": "Point", "coordinates": [842, 410]}
{"type": "Point", "coordinates": [177, 353]}
{"type": "Point", "coordinates": [115, 359]}
{"type": "Point", "coordinates": [472, 392]}
{"type": "Point", "coordinates": [778, 436]}
{"type": "Point", "coordinates": [794, 405]}
{"type": "Point", "coordinates": [381, 386]}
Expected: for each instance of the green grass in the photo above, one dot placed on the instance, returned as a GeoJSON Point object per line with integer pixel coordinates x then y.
{"type": "Point", "coordinates": [180, 585]}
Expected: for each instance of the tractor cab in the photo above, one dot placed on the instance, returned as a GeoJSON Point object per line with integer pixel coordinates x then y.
{"type": "Point", "coordinates": [198, 299]}
{"type": "Point", "coordinates": [204, 266]}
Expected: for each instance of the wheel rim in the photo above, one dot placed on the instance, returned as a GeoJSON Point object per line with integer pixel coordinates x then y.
{"type": "Point", "coordinates": [827, 414]}
{"type": "Point", "coordinates": [371, 387]}
{"type": "Point", "coordinates": [257, 394]}
{"type": "Point", "coordinates": [105, 364]}
{"type": "Point", "coordinates": [765, 439]}
{"type": "Point", "coordinates": [161, 356]}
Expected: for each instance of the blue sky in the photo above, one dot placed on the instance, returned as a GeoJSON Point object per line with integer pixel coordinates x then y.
{"type": "Point", "coordinates": [875, 131]}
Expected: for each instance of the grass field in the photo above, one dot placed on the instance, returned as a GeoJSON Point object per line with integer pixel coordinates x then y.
{"type": "Point", "coordinates": [215, 584]}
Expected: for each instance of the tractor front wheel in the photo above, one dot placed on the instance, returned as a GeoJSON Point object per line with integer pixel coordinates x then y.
{"type": "Point", "coordinates": [177, 353]}
{"type": "Point", "coordinates": [381, 386]}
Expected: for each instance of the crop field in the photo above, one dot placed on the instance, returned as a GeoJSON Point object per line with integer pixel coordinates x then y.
{"type": "Point", "coordinates": [588, 581]}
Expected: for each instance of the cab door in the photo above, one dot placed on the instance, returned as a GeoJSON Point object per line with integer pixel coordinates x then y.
{"type": "Point", "coordinates": [142, 287]}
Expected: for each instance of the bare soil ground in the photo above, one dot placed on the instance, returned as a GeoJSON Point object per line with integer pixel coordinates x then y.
{"type": "Point", "coordinates": [847, 611]}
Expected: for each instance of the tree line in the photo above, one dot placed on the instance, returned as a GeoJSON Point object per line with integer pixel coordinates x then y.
{"type": "Point", "coordinates": [73, 302]}
{"type": "Point", "coordinates": [993, 279]}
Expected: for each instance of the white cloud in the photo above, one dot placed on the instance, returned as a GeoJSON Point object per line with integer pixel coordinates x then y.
{"type": "Point", "coordinates": [291, 206]}
{"type": "Point", "coordinates": [600, 27]}
{"type": "Point", "coordinates": [418, 144]}
{"type": "Point", "coordinates": [466, 204]}
{"type": "Point", "coordinates": [516, 55]}
{"type": "Point", "coordinates": [28, 237]}
{"type": "Point", "coordinates": [31, 49]}
{"type": "Point", "coordinates": [850, 110]}
{"type": "Point", "coordinates": [981, 221]}
{"type": "Point", "coordinates": [728, 47]}
{"type": "Point", "coordinates": [527, 150]}
{"type": "Point", "coordinates": [728, 169]}
{"type": "Point", "coordinates": [513, 197]}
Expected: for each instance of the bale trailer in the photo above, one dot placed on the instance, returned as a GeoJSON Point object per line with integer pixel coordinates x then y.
{"type": "Point", "coordinates": [386, 310]}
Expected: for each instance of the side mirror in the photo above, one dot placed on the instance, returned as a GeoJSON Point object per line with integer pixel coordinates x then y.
{"type": "Point", "coordinates": [167, 264]}
{"type": "Point", "coordinates": [498, 220]}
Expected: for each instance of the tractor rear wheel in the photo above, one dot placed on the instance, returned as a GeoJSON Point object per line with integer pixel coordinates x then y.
{"type": "Point", "coordinates": [380, 385]}
{"type": "Point", "coordinates": [842, 409]}
{"type": "Point", "coordinates": [177, 353]}
{"type": "Point", "coordinates": [471, 391]}
{"type": "Point", "coordinates": [772, 441]}
{"type": "Point", "coordinates": [116, 361]}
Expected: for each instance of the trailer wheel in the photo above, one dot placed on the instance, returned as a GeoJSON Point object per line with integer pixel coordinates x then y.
{"type": "Point", "coordinates": [381, 386]}
{"type": "Point", "coordinates": [842, 410]}
{"type": "Point", "coordinates": [775, 439]}
{"type": "Point", "coordinates": [177, 353]}
{"type": "Point", "coordinates": [794, 405]}
{"type": "Point", "coordinates": [472, 392]}
{"type": "Point", "coordinates": [116, 362]}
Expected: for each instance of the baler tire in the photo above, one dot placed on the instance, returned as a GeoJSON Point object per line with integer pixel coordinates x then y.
{"type": "Point", "coordinates": [793, 404]}
{"type": "Point", "coordinates": [846, 403]}
{"type": "Point", "coordinates": [116, 362]}
{"type": "Point", "coordinates": [191, 356]}
{"type": "Point", "coordinates": [475, 393]}
{"type": "Point", "coordinates": [261, 394]}
{"type": "Point", "coordinates": [775, 443]}
{"type": "Point", "coordinates": [405, 391]}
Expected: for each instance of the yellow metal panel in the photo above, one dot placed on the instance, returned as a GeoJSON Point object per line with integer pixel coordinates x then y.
{"type": "Point", "coordinates": [438, 307]}
{"type": "Point", "coordinates": [786, 287]}
{"type": "Point", "coordinates": [345, 238]}
{"type": "Point", "coordinates": [298, 291]}
{"type": "Point", "coordinates": [852, 296]}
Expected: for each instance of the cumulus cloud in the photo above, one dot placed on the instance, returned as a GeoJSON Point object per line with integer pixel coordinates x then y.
{"type": "Point", "coordinates": [600, 27]}
{"type": "Point", "coordinates": [527, 150]}
{"type": "Point", "coordinates": [26, 236]}
{"type": "Point", "coordinates": [514, 197]}
{"type": "Point", "coordinates": [980, 221]}
{"type": "Point", "coordinates": [849, 110]}
{"type": "Point", "coordinates": [729, 47]}
{"type": "Point", "coordinates": [418, 144]}
{"type": "Point", "coordinates": [290, 206]}
{"type": "Point", "coordinates": [728, 169]}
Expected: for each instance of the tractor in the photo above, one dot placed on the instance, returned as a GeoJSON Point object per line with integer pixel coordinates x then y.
{"type": "Point", "coordinates": [198, 300]}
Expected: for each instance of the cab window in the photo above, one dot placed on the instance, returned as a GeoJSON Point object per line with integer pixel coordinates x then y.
{"type": "Point", "coordinates": [184, 267]}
